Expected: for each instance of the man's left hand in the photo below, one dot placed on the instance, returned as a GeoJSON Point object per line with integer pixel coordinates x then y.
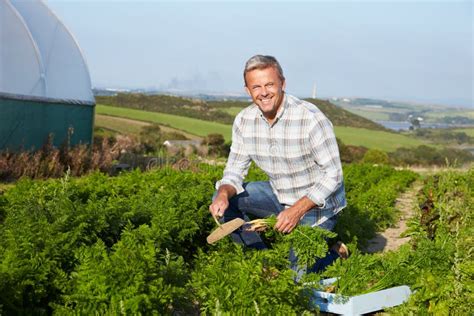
{"type": "Point", "coordinates": [288, 219]}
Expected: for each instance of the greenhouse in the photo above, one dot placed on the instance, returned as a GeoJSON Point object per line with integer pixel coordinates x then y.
{"type": "Point", "coordinates": [45, 87]}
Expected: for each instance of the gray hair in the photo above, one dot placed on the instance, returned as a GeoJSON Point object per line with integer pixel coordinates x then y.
{"type": "Point", "coordinates": [263, 62]}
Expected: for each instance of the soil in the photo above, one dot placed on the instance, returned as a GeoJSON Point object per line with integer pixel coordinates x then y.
{"type": "Point", "coordinates": [391, 239]}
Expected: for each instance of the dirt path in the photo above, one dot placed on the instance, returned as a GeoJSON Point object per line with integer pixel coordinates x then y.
{"type": "Point", "coordinates": [390, 238]}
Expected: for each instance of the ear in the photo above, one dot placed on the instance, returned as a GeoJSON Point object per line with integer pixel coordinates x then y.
{"type": "Point", "coordinates": [248, 91]}
{"type": "Point", "coordinates": [283, 86]}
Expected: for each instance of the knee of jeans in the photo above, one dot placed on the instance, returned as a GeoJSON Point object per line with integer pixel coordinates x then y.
{"type": "Point", "coordinates": [254, 187]}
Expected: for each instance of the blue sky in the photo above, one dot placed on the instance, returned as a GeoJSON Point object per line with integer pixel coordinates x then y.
{"type": "Point", "coordinates": [398, 50]}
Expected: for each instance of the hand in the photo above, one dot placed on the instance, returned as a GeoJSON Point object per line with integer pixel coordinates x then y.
{"type": "Point", "coordinates": [219, 205]}
{"type": "Point", "coordinates": [288, 219]}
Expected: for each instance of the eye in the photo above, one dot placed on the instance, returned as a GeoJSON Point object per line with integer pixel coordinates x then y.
{"type": "Point", "coordinates": [269, 85]}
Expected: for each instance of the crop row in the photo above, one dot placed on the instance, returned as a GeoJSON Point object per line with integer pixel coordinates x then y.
{"type": "Point", "coordinates": [136, 244]}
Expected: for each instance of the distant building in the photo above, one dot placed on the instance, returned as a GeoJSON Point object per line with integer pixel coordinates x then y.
{"type": "Point", "coordinates": [181, 143]}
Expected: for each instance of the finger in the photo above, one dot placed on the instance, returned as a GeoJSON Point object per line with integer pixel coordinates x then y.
{"type": "Point", "coordinates": [215, 210]}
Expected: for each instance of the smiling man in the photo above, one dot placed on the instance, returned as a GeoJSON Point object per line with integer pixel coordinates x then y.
{"type": "Point", "coordinates": [293, 142]}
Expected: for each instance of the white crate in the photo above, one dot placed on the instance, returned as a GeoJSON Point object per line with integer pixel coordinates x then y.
{"type": "Point", "coordinates": [360, 304]}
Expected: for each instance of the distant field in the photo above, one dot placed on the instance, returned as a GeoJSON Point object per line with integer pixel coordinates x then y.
{"type": "Point", "coordinates": [371, 115]}
{"type": "Point", "coordinates": [349, 135]}
{"type": "Point", "coordinates": [468, 131]}
{"type": "Point", "coordinates": [190, 125]}
{"type": "Point", "coordinates": [118, 124]}
{"type": "Point", "coordinates": [233, 110]}
{"type": "Point", "coordinates": [439, 114]}
{"type": "Point", "coordinates": [429, 112]}
{"type": "Point", "coordinates": [375, 139]}
{"type": "Point", "coordinates": [130, 126]}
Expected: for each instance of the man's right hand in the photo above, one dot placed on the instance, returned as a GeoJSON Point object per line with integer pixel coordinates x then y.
{"type": "Point", "coordinates": [221, 202]}
{"type": "Point", "coordinates": [218, 207]}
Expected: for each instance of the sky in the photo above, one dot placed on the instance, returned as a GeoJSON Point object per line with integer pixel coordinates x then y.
{"type": "Point", "coordinates": [419, 51]}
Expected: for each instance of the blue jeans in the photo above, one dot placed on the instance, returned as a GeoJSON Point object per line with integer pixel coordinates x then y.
{"type": "Point", "coordinates": [258, 200]}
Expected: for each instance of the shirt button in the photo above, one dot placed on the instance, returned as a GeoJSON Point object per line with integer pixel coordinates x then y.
{"type": "Point", "coordinates": [274, 148]}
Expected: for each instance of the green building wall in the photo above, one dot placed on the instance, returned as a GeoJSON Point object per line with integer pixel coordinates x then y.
{"type": "Point", "coordinates": [26, 124]}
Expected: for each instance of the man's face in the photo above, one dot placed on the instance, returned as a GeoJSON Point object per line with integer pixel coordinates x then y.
{"type": "Point", "coordinates": [266, 89]}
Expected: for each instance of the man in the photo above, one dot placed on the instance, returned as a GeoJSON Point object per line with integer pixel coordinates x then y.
{"type": "Point", "coordinates": [294, 144]}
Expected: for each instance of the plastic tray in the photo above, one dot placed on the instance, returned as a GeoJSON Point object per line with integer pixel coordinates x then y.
{"type": "Point", "coordinates": [360, 304]}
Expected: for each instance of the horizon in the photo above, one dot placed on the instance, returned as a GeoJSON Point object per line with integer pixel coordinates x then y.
{"type": "Point", "coordinates": [236, 95]}
{"type": "Point", "coordinates": [407, 51]}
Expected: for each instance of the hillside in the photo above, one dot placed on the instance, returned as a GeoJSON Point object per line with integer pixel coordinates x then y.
{"type": "Point", "coordinates": [193, 108]}
{"type": "Point", "coordinates": [356, 136]}
{"type": "Point", "coordinates": [340, 117]}
{"type": "Point", "coordinates": [221, 111]}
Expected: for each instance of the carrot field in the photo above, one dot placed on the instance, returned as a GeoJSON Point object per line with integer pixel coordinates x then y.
{"type": "Point", "coordinates": [136, 244]}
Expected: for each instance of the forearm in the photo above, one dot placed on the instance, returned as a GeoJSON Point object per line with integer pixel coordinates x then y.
{"type": "Point", "coordinates": [289, 218]}
{"type": "Point", "coordinates": [226, 191]}
{"type": "Point", "coordinates": [303, 205]}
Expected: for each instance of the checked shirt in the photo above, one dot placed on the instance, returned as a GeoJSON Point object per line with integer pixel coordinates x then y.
{"type": "Point", "coordinates": [298, 152]}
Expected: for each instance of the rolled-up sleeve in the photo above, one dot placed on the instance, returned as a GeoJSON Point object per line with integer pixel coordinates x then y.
{"type": "Point", "coordinates": [326, 154]}
{"type": "Point", "coordinates": [238, 162]}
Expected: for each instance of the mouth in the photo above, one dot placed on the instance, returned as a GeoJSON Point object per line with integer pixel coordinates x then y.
{"type": "Point", "coordinates": [266, 100]}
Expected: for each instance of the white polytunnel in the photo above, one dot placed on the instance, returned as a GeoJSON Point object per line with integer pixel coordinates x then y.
{"type": "Point", "coordinates": [45, 86]}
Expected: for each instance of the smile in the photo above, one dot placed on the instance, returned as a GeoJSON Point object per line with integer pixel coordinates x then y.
{"type": "Point", "coordinates": [266, 100]}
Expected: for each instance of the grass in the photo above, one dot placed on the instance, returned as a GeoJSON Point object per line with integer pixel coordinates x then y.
{"type": "Point", "coordinates": [454, 112]}
{"type": "Point", "coordinates": [469, 131]}
{"type": "Point", "coordinates": [375, 139]}
{"type": "Point", "coordinates": [371, 115]}
{"type": "Point", "coordinates": [190, 125]}
{"type": "Point", "coordinates": [349, 135]}
{"type": "Point", "coordinates": [121, 125]}
{"type": "Point", "coordinates": [132, 127]}
{"type": "Point", "coordinates": [233, 110]}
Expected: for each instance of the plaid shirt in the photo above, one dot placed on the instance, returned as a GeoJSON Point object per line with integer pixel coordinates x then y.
{"type": "Point", "coordinates": [298, 152]}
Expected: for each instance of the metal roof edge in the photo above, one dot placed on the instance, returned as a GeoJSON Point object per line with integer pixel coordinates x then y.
{"type": "Point", "coordinates": [21, 97]}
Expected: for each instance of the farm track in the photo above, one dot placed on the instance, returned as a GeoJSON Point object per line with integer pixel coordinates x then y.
{"type": "Point", "coordinates": [391, 239]}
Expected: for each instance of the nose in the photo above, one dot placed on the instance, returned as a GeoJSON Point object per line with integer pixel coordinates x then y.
{"type": "Point", "coordinates": [264, 91]}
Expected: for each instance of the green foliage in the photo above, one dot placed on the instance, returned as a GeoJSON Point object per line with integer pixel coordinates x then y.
{"type": "Point", "coordinates": [135, 276]}
{"type": "Point", "coordinates": [338, 116]}
{"type": "Point", "coordinates": [193, 108]}
{"type": "Point", "coordinates": [231, 280]}
{"type": "Point", "coordinates": [151, 138]}
{"type": "Point", "coordinates": [427, 155]}
{"type": "Point", "coordinates": [52, 228]}
{"type": "Point", "coordinates": [135, 244]}
{"type": "Point", "coordinates": [375, 156]}
{"type": "Point", "coordinates": [177, 121]}
{"type": "Point", "coordinates": [216, 145]}
{"type": "Point", "coordinates": [370, 202]}
{"type": "Point", "coordinates": [215, 110]}
{"type": "Point", "coordinates": [349, 153]}
{"type": "Point", "coordinates": [444, 135]}
{"type": "Point", "coordinates": [309, 243]}
{"type": "Point", "coordinates": [437, 265]}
